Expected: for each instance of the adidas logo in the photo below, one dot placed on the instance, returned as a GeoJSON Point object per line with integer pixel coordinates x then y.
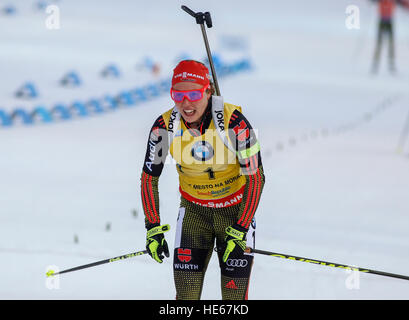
{"type": "Point", "coordinates": [231, 285]}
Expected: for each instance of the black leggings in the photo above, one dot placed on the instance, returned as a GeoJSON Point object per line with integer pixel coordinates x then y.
{"type": "Point", "coordinates": [197, 230]}
{"type": "Point", "coordinates": [385, 28]}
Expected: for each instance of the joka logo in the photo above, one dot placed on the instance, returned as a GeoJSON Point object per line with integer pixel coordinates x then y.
{"type": "Point", "coordinates": [231, 285]}
{"type": "Point", "coordinates": [241, 131]}
{"type": "Point", "coordinates": [171, 120]}
{"type": "Point", "coordinates": [184, 255]}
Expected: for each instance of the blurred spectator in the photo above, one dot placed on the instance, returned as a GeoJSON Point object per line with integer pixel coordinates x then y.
{"type": "Point", "coordinates": [386, 10]}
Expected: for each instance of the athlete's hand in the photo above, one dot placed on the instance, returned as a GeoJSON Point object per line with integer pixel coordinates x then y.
{"type": "Point", "coordinates": [234, 242]}
{"type": "Point", "coordinates": [156, 243]}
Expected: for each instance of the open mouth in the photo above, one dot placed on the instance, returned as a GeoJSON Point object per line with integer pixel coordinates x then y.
{"type": "Point", "coordinates": [189, 113]}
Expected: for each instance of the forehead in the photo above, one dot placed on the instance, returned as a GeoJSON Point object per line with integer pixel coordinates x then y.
{"type": "Point", "coordinates": [184, 86]}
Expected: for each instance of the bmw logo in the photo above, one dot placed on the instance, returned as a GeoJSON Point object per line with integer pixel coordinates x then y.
{"type": "Point", "coordinates": [202, 151]}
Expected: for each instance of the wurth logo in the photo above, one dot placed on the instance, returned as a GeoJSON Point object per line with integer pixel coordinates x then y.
{"type": "Point", "coordinates": [231, 285]}
{"type": "Point", "coordinates": [184, 255]}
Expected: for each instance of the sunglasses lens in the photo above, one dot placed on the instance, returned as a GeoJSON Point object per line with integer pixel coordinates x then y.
{"type": "Point", "coordinates": [194, 95]}
{"type": "Point", "coordinates": [177, 96]}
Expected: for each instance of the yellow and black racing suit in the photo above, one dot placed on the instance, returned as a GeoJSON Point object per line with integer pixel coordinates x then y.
{"type": "Point", "coordinates": [220, 181]}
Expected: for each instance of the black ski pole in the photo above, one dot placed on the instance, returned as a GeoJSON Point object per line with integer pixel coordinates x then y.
{"type": "Point", "coordinates": [328, 264]}
{"type": "Point", "coordinates": [125, 256]}
{"type": "Point", "coordinates": [201, 18]}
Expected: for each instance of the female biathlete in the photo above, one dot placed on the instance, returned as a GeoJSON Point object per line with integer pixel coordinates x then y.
{"type": "Point", "coordinates": [221, 179]}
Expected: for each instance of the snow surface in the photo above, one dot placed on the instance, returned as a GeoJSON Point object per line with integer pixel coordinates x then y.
{"type": "Point", "coordinates": [336, 188]}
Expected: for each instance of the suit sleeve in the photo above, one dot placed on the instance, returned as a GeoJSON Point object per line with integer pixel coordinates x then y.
{"type": "Point", "coordinates": [155, 156]}
{"type": "Point", "coordinates": [248, 153]}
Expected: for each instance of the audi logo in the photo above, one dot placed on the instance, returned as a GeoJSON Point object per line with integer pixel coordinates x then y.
{"type": "Point", "coordinates": [241, 263]}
